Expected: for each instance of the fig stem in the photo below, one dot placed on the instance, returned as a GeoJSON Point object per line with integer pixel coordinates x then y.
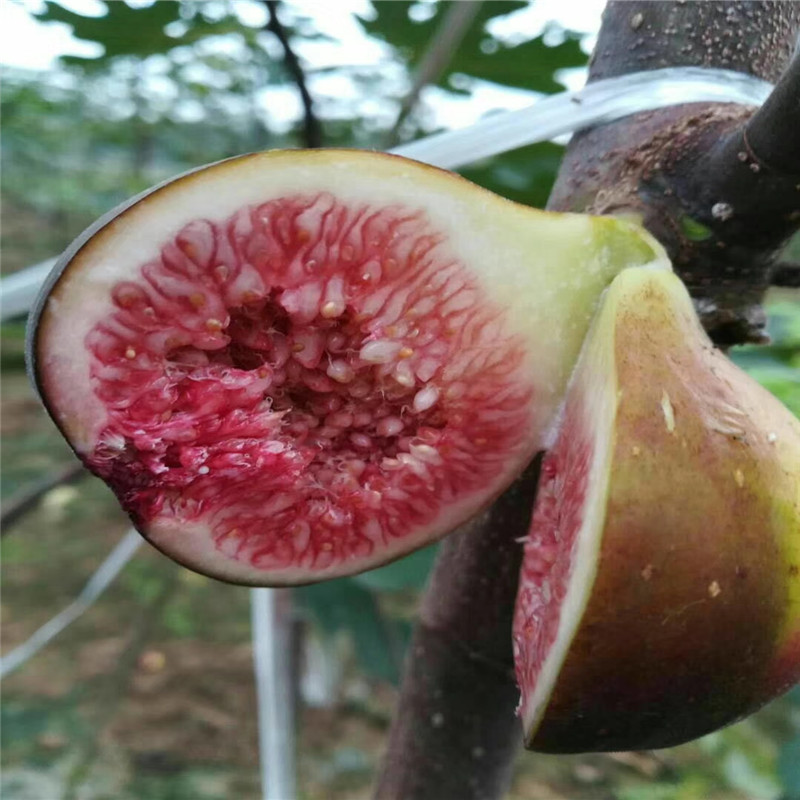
{"type": "Point", "coordinates": [772, 130]}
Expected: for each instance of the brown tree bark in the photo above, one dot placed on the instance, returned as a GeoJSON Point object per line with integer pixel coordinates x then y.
{"type": "Point", "coordinates": [443, 743]}
{"type": "Point", "coordinates": [716, 183]}
{"type": "Point", "coordinates": [723, 217]}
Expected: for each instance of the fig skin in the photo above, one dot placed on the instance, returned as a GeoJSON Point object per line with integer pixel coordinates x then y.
{"type": "Point", "coordinates": [536, 277]}
{"type": "Point", "coordinates": [690, 618]}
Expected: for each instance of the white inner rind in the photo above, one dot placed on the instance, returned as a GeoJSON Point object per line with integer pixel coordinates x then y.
{"type": "Point", "coordinates": [192, 544]}
{"type": "Point", "coordinates": [594, 381]}
{"type": "Point", "coordinates": [545, 269]}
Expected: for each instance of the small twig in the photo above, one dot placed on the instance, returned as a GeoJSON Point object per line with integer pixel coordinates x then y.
{"type": "Point", "coordinates": [786, 274]}
{"type": "Point", "coordinates": [772, 131]}
{"type": "Point", "coordinates": [100, 580]}
{"type": "Point", "coordinates": [312, 130]}
{"type": "Point", "coordinates": [449, 35]}
{"type": "Point", "coordinates": [27, 498]}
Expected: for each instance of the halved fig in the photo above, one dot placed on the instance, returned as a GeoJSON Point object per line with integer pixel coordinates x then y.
{"type": "Point", "coordinates": [295, 365]}
{"type": "Point", "coordinates": [658, 597]}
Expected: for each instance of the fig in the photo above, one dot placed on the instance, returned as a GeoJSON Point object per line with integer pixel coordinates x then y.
{"type": "Point", "coordinates": [295, 365]}
{"type": "Point", "coordinates": [658, 596]}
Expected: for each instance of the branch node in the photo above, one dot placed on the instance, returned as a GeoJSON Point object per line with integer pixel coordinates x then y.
{"type": "Point", "coordinates": [786, 275]}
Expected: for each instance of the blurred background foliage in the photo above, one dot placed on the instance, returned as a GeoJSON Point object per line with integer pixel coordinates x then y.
{"type": "Point", "coordinates": [151, 695]}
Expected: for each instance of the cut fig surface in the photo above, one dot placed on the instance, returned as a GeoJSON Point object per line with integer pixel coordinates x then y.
{"type": "Point", "coordinates": [295, 365]}
{"type": "Point", "coordinates": [658, 597]}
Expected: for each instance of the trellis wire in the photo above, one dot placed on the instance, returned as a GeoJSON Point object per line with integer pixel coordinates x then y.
{"type": "Point", "coordinates": [599, 102]}
{"type": "Point", "coordinates": [95, 586]}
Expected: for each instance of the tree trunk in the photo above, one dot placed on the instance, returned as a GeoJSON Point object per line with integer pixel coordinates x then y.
{"type": "Point", "coordinates": [719, 187]}
{"type": "Point", "coordinates": [443, 743]}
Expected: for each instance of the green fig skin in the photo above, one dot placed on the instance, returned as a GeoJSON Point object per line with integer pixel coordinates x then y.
{"type": "Point", "coordinates": [693, 618]}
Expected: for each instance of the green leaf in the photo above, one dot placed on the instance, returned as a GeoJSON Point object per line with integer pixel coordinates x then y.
{"type": "Point", "coordinates": [27, 721]}
{"type": "Point", "coordinates": [410, 572]}
{"type": "Point", "coordinates": [137, 31]}
{"type": "Point", "coordinates": [792, 250]}
{"type": "Point", "coordinates": [777, 366]}
{"type": "Point", "coordinates": [393, 24]}
{"type": "Point", "coordinates": [741, 774]}
{"type": "Point", "coordinates": [789, 768]}
{"type": "Point", "coordinates": [527, 65]}
{"type": "Point", "coordinates": [647, 791]}
{"type": "Point", "coordinates": [783, 381]}
{"type": "Point", "coordinates": [122, 30]}
{"type": "Point", "coordinates": [783, 325]}
{"type": "Point", "coordinates": [343, 605]}
{"type": "Point", "coordinates": [525, 175]}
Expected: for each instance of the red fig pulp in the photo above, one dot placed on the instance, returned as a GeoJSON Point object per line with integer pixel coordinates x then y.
{"type": "Point", "coordinates": [291, 366]}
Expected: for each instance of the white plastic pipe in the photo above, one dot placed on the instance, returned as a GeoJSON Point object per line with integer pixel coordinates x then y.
{"type": "Point", "coordinates": [274, 692]}
{"type": "Point", "coordinates": [19, 290]}
{"type": "Point", "coordinates": [599, 102]}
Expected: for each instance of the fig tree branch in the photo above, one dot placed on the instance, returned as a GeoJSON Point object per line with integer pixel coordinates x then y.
{"type": "Point", "coordinates": [716, 183]}
{"type": "Point", "coordinates": [443, 742]}
{"type": "Point", "coordinates": [773, 132]}
{"type": "Point", "coordinates": [456, 19]}
{"type": "Point", "coordinates": [26, 499]}
{"type": "Point", "coordinates": [786, 275]}
{"type": "Point", "coordinates": [644, 164]}
{"type": "Point", "coordinates": [312, 130]}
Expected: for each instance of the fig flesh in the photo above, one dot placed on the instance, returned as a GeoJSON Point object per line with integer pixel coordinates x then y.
{"type": "Point", "coordinates": [295, 365]}
{"type": "Point", "coordinates": [658, 597]}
